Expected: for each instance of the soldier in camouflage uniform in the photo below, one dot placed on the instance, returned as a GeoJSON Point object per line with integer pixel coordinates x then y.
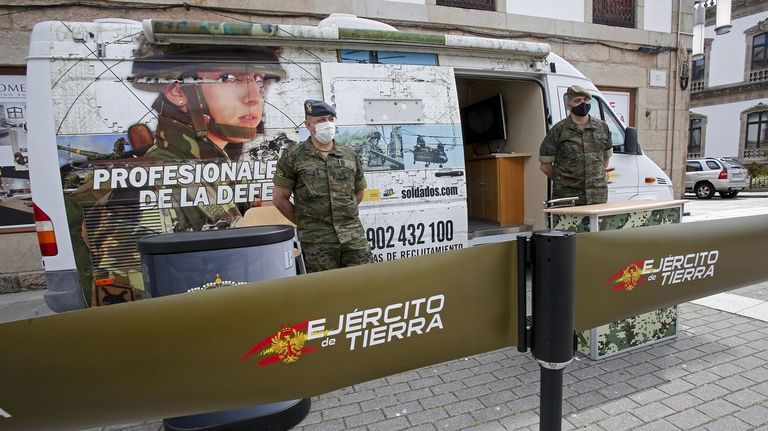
{"type": "Point", "coordinates": [575, 152]}
{"type": "Point", "coordinates": [210, 103]}
{"type": "Point", "coordinates": [327, 183]}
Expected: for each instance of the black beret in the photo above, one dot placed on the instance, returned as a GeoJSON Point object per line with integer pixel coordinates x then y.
{"type": "Point", "coordinates": [318, 108]}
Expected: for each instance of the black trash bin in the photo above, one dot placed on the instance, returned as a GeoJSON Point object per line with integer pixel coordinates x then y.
{"type": "Point", "coordinates": [188, 261]}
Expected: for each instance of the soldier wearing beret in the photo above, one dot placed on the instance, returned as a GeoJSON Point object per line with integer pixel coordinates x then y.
{"type": "Point", "coordinates": [575, 152]}
{"type": "Point", "coordinates": [327, 183]}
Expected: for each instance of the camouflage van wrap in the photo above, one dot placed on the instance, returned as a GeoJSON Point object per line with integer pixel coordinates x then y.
{"type": "Point", "coordinates": [186, 135]}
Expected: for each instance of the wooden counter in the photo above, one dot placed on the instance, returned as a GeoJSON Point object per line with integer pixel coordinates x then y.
{"type": "Point", "coordinates": [495, 185]}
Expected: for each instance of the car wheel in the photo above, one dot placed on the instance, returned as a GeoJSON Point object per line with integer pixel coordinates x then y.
{"type": "Point", "coordinates": [729, 194]}
{"type": "Point", "coordinates": [704, 190]}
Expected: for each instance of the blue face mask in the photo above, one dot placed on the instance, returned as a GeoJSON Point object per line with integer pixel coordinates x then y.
{"type": "Point", "coordinates": [581, 109]}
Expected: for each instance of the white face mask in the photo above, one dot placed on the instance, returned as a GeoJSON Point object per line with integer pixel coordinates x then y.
{"type": "Point", "coordinates": [325, 131]}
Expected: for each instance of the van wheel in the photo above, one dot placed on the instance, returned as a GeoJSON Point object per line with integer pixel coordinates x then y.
{"type": "Point", "coordinates": [704, 190]}
{"type": "Point", "coordinates": [729, 194]}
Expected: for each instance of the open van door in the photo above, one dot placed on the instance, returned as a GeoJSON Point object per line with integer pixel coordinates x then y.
{"type": "Point", "coordinates": [404, 123]}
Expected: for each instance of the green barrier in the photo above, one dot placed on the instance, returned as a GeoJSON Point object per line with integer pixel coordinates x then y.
{"type": "Point", "coordinates": [258, 343]}
{"type": "Point", "coordinates": [626, 272]}
{"type": "Point", "coordinates": [302, 336]}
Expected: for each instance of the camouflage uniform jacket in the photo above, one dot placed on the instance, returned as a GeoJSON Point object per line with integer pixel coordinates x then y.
{"type": "Point", "coordinates": [176, 141]}
{"type": "Point", "coordinates": [579, 159]}
{"type": "Point", "coordinates": [324, 191]}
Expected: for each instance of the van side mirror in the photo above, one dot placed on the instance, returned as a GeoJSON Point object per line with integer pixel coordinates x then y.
{"type": "Point", "coordinates": [631, 146]}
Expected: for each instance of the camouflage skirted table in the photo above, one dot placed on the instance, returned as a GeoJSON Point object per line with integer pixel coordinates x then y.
{"type": "Point", "coordinates": [642, 329]}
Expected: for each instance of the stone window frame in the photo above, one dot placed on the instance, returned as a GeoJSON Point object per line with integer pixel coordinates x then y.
{"type": "Point", "coordinates": [760, 107]}
{"type": "Point", "coordinates": [703, 138]}
{"type": "Point", "coordinates": [750, 33]}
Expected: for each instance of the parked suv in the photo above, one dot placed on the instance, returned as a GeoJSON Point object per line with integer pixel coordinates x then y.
{"type": "Point", "coordinates": [706, 176]}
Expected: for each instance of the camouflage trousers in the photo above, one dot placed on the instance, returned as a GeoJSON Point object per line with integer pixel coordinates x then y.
{"type": "Point", "coordinates": [321, 256]}
{"type": "Point", "coordinates": [596, 195]}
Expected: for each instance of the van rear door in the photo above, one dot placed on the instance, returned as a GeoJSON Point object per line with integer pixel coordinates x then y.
{"type": "Point", "coordinates": [404, 123]}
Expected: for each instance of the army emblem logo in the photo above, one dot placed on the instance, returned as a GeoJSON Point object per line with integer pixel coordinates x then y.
{"type": "Point", "coordinates": [286, 345]}
{"type": "Point", "coordinates": [308, 107]}
{"type": "Point", "coordinates": [628, 277]}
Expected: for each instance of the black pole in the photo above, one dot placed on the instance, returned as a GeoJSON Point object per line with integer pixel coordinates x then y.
{"type": "Point", "coordinates": [551, 401]}
{"type": "Point", "coordinates": [522, 301]}
{"type": "Point", "coordinates": [553, 319]}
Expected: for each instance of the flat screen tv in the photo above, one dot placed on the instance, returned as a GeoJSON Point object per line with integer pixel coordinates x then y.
{"type": "Point", "coordinates": [483, 121]}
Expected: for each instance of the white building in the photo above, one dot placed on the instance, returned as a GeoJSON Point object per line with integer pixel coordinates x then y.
{"type": "Point", "coordinates": [729, 88]}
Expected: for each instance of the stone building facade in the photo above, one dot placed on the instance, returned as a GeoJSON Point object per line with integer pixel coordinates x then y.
{"type": "Point", "coordinates": [635, 50]}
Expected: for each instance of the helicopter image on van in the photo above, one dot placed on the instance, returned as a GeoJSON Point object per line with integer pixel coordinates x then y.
{"type": "Point", "coordinates": [429, 155]}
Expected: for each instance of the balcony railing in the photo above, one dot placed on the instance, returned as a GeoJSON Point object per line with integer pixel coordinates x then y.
{"type": "Point", "coordinates": [618, 13]}
{"type": "Point", "coordinates": [469, 4]}
{"type": "Point", "coordinates": [697, 86]}
{"type": "Point", "coordinates": [694, 155]}
{"type": "Point", "coordinates": [754, 153]}
{"type": "Point", "coordinates": [758, 75]}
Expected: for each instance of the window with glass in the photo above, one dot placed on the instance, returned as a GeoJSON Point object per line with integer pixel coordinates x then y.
{"type": "Point", "coordinates": [387, 57]}
{"type": "Point", "coordinates": [694, 136]}
{"type": "Point", "coordinates": [619, 13]}
{"type": "Point", "coordinates": [469, 4]}
{"type": "Point", "coordinates": [15, 113]}
{"type": "Point", "coordinates": [711, 164]}
{"type": "Point", "coordinates": [697, 70]}
{"type": "Point", "coordinates": [692, 167]}
{"type": "Point", "coordinates": [757, 130]}
{"type": "Point", "coordinates": [733, 163]}
{"type": "Point", "coordinates": [760, 52]}
{"type": "Point", "coordinates": [614, 125]}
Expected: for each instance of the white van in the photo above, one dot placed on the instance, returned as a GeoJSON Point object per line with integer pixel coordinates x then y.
{"type": "Point", "coordinates": [447, 128]}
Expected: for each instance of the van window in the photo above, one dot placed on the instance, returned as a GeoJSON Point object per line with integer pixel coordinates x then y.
{"type": "Point", "coordinates": [614, 125]}
{"type": "Point", "coordinates": [386, 57]}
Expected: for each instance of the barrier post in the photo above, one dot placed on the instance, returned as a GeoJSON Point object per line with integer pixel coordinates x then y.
{"type": "Point", "coordinates": [553, 319]}
{"type": "Point", "coordinates": [523, 332]}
